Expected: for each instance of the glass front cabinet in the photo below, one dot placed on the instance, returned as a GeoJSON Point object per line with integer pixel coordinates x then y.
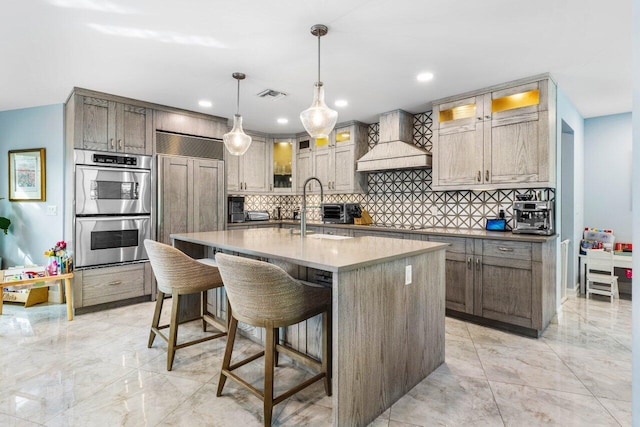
{"type": "Point", "coordinates": [283, 165]}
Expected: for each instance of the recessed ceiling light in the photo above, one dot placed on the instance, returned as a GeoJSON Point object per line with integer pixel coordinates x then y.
{"type": "Point", "coordinates": [283, 121]}
{"type": "Point", "coordinates": [341, 103]}
{"type": "Point", "coordinates": [425, 77]}
{"type": "Point", "coordinates": [205, 103]}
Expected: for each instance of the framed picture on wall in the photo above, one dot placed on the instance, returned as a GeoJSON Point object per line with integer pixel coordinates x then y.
{"type": "Point", "coordinates": [27, 175]}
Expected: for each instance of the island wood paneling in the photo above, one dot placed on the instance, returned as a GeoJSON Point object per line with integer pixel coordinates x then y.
{"type": "Point", "coordinates": [374, 309]}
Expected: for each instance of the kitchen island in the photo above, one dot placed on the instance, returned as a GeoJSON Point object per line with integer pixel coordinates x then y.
{"type": "Point", "coordinates": [388, 307]}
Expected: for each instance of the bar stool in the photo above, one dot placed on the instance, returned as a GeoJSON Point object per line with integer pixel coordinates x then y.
{"type": "Point", "coordinates": [178, 274]}
{"type": "Point", "coordinates": [264, 295]}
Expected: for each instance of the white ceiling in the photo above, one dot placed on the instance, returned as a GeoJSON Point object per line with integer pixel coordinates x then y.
{"type": "Point", "coordinates": [178, 52]}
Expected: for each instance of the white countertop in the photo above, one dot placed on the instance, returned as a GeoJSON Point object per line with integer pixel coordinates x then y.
{"type": "Point", "coordinates": [435, 231]}
{"type": "Point", "coordinates": [325, 254]}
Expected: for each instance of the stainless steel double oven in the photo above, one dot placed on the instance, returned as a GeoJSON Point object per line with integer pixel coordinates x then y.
{"type": "Point", "coordinates": [112, 207]}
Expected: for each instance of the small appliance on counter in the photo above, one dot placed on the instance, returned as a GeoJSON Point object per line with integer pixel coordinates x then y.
{"type": "Point", "coordinates": [533, 217]}
{"type": "Point", "coordinates": [340, 213]}
{"type": "Point", "coordinates": [236, 209]}
{"type": "Point", "coordinates": [256, 216]}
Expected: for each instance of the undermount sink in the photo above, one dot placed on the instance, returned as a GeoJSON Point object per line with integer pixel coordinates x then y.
{"type": "Point", "coordinates": [327, 236]}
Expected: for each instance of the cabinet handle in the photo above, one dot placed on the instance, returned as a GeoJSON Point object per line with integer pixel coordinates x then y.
{"type": "Point", "coordinates": [479, 118]}
{"type": "Point", "coordinates": [112, 144]}
{"type": "Point", "coordinates": [503, 249]}
{"type": "Point", "coordinates": [116, 283]}
{"type": "Point", "coordinates": [120, 144]}
{"type": "Point", "coordinates": [270, 187]}
{"type": "Point", "coordinates": [486, 175]}
{"type": "Point", "coordinates": [478, 264]}
{"type": "Point", "coordinates": [479, 176]}
{"type": "Point", "coordinates": [487, 117]}
{"type": "Point", "coordinates": [469, 263]}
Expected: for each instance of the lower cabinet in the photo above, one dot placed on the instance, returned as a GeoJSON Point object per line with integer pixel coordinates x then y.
{"type": "Point", "coordinates": [508, 282]}
{"type": "Point", "coordinates": [111, 284]}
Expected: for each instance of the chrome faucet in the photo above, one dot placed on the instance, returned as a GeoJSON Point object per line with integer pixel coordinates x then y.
{"type": "Point", "coordinates": [303, 210]}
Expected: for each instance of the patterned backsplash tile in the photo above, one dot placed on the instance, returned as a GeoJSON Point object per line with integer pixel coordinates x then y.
{"type": "Point", "coordinates": [404, 198]}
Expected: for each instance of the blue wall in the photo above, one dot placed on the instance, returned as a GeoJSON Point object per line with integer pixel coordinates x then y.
{"type": "Point", "coordinates": [607, 177]}
{"type": "Point", "coordinates": [32, 231]}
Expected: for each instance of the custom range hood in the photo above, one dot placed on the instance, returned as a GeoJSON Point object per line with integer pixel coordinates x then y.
{"type": "Point", "coordinates": [395, 150]}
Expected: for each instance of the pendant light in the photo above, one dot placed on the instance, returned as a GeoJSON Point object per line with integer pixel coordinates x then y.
{"type": "Point", "coordinates": [236, 141]}
{"type": "Point", "coordinates": [319, 120]}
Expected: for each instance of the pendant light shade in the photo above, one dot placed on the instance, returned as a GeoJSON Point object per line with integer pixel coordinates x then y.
{"type": "Point", "coordinates": [319, 120]}
{"type": "Point", "coordinates": [236, 141]}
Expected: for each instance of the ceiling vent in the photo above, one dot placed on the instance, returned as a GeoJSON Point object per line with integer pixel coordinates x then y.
{"type": "Point", "coordinates": [271, 94]}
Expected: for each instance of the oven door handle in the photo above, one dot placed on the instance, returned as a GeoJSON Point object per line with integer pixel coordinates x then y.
{"type": "Point", "coordinates": [113, 218]}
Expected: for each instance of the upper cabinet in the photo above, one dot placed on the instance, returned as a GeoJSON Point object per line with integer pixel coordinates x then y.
{"type": "Point", "coordinates": [283, 167]}
{"type": "Point", "coordinates": [499, 138]}
{"type": "Point", "coordinates": [105, 125]}
{"type": "Point", "coordinates": [249, 172]}
{"type": "Point", "coordinates": [333, 160]}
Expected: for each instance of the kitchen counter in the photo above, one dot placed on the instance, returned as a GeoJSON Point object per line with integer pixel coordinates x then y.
{"type": "Point", "coordinates": [388, 308]}
{"type": "Point", "coordinates": [436, 231]}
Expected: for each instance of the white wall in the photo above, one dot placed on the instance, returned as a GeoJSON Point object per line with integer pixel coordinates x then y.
{"type": "Point", "coordinates": [607, 178]}
{"type": "Point", "coordinates": [32, 231]}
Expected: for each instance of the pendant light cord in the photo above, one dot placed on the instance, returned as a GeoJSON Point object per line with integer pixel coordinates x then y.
{"type": "Point", "coordinates": [238, 100]}
{"type": "Point", "coordinates": [319, 56]}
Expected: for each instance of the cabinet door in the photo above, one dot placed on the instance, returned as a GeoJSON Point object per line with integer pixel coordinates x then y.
{"type": "Point", "coordinates": [322, 168]}
{"type": "Point", "coordinates": [344, 168]}
{"type": "Point", "coordinates": [97, 130]}
{"type": "Point", "coordinates": [304, 169]}
{"type": "Point", "coordinates": [507, 286]}
{"type": "Point", "coordinates": [458, 157]}
{"type": "Point", "coordinates": [459, 282]}
{"type": "Point", "coordinates": [458, 146]}
{"type": "Point", "coordinates": [519, 149]}
{"type": "Point", "coordinates": [133, 129]}
{"type": "Point", "coordinates": [208, 195]}
{"type": "Point", "coordinates": [283, 165]}
{"type": "Point", "coordinates": [232, 165]}
{"type": "Point", "coordinates": [174, 197]}
{"type": "Point", "coordinates": [254, 166]}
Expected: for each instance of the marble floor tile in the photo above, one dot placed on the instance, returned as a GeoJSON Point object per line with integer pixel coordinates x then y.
{"type": "Point", "coordinates": [461, 358]}
{"type": "Point", "coordinates": [541, 369]}
{"type": "Point", "coordinates": [97, 370]}
{"type": "Point", "coordinates": [448, 400]}
{"type": "Point", "coordinates": [139, 398]}
{"type": "Point", "coordinates": [529, 406]}
{"type": "Point", "coordinates": [620, 410]}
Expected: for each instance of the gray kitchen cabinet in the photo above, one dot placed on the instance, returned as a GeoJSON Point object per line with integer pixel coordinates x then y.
{"type": "Point", "coordinates": [190, 123]}
{"type": "Point", "coordinates": [460, 264]}
{"type": "Point", "coordinates": [503, 137]}
{"type": "Point", "coordinates": [509, 282]}
{"type": "Point", "coordinates": [190, 195]}
{"type": "Point", "coordinates": [107, 125]}
{"type": "Point", "coordinates": [333, 161]}
{"type": "Point", "coordinates": [110, 285]}
{"type": "Point", "coordinates": [283, 165]}
{"type": "Point", "coordinates": [249, 173]}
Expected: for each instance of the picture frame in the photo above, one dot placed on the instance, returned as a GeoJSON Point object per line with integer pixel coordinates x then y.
{"type": "Point", "coordinates": [27, 175]}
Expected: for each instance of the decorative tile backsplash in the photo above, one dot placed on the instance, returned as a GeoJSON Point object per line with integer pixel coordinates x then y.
{"type": "Point", "coordinates": [404, 198]}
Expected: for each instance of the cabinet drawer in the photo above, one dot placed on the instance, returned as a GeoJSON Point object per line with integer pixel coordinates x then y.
{"type": "Point", "coordinates": [458, 244]}
{"type": "Point", "coordinates": [506, 249]}
{"type": "Point", "coordinates": [109, 284]}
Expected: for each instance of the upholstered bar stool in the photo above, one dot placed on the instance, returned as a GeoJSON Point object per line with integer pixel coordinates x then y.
{"type": "Point", "coordinates": [178, 274]}
{"type": "Point", "coordinates": [264, 295]}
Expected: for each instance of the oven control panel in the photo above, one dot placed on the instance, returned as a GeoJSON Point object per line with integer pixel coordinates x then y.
{"type": "Point", "coordinates": [115, 160]}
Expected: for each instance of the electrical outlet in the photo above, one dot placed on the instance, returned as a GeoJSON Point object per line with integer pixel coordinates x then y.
{"type": "Point", "coordinates": [52, 210]}
{"type": "Point", "coordinates": [434, 210]}
{"type": "Point", "coordinates": [407, 275]}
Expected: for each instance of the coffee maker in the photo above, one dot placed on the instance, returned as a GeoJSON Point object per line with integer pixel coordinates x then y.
{"type": "Point", "coordinates": [235, 209]}
{"type": "Point", "coordinates": [533, 217]}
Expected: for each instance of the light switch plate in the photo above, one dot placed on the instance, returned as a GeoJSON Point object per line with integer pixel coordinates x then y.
{"type": "Point", "coordinates": [52, 210]}
{"type": "Point", "coordinates": [407, 275]}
